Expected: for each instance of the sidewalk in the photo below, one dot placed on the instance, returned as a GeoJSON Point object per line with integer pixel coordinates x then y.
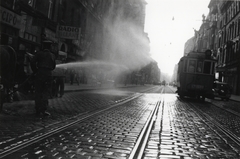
{"type": "Point", "coordinates": [235, 98]}
{"type": "Point", "coordinates": [83, 87]}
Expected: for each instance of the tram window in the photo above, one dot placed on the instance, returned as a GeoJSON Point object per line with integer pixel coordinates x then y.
{"type": "Point", "coordinates": [212, 70]}
{"type": "Point", "coordinates": [199, 66]}
{"type": "Point", "coordinates": [207, 67]}
{"type": "Point", "coordinates": [192, 66]}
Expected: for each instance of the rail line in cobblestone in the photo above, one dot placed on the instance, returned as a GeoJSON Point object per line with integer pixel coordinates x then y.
{"type": "Point", "coordinates": [38, 136]}
{"type": "Point", "coordinates": [18, 146]}
{"type": "Point", "coordinates": [228, 136]}
{"type": "Point", "coordinates": [226, 109]}
{"type": "Point", "coordinates": [141, 143]}
{"type": "Point", "coordinates": [139, 147]}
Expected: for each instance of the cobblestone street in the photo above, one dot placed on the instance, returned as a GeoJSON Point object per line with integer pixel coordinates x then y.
{"type": "Point", "coordinates": [119, 79]}
{"type": "Point", "coordinates": [112, 134]}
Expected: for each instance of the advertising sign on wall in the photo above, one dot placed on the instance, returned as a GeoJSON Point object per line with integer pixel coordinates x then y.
{"type": "Point", "coordinates": [68, 32]}
{"type": "Point", "coordinates": [10, 18]}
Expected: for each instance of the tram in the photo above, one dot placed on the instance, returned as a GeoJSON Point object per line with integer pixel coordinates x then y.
{"type": "Point", "coordinates": [195, 75]}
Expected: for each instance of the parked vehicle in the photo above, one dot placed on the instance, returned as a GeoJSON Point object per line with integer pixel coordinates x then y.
{"type": "Point", "coordinates": [222, 90]}
{"type": "Point", "coordinates": [195, 75]}
{"type": "Point", "coordinates": [16, 74]}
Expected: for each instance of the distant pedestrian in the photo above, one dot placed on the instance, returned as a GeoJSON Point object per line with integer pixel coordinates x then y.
{"type": "Point", "coordinates": [60, 86]}
{"type": "Point", "coordinates": [43, 63]}
{"type": "Point", "coordinates": [72, 74]}
{"type": "Point", "coordinates": [59, 76]}
{"type": "Point", "coordinates": [77, 78]}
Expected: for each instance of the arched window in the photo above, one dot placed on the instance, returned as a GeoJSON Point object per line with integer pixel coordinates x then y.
{"type": "Point", "coordinates": [235, 28]}
{"type": "Point", "coordinates": [62, 47]}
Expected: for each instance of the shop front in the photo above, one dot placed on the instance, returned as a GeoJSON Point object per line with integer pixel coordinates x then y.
{"type": "Point", "coordinates": [10, 25]}
{"type": "Point", "coordinates": [232, 76]}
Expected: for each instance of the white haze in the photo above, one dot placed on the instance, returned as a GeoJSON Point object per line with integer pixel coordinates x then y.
{"type": "Point", "coordinates": [126, 44]}
{"type": "Point", "coordinates": [126, 48]}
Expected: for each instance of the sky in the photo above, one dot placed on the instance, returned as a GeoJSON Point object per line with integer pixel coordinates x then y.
{"type": "Point", "coordinates": [169, 24]}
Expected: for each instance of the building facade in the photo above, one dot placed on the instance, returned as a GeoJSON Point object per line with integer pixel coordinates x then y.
{"type": "Point", "coordinates": [220, 32]}
{"type": "Point", "coordinates": [228, 55]}
{"type": "Point", "coordinates": [84, 30]}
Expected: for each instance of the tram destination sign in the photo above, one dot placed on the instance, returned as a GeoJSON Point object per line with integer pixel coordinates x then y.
{"type": "Point", "coordinates": [68, 32]}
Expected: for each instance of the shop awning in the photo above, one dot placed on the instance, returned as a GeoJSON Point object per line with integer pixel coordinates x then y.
{"type": "Point", "coordinates": [62, 53]}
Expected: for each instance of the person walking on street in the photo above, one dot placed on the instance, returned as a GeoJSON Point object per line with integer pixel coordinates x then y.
{"type": "Point", "coordinates": [72, 74]}
{"type": "Point", "coordinates": [59, 75]}
{"type": "Point", "coordinates": [77, 78]}
{"type": "Point", "coordinates": [43, 63]}
{"type": "Point", "coordinates": [60, 85]}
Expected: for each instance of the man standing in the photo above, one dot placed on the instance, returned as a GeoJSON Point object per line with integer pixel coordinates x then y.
{"type": "Point", "coordinates": [44, 64]}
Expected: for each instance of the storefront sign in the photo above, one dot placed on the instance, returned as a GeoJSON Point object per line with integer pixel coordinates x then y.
{"type": "Point", "coordinates": [68, 32]}
{"type": "Point", "coordinates": [10, 18]}
{"type": "Point", "coordinates": [50, 35]}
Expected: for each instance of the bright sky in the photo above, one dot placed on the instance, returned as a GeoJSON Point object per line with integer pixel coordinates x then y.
{"type": "Point", "coordinates": [169, 24]}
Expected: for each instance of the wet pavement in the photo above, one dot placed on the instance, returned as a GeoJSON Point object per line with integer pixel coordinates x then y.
{"type": "Point", "coordinates": [178, 133]}
{"type": "Point", "coordinates": [184, 135]}
{"type": "Point", "coordinates": [20, 120]}
{"type": "Point", "coordinates": [111, 134]}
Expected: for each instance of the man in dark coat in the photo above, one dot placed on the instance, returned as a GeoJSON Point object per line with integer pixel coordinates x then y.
{"type": "Point", "coordinates": [44, 63]}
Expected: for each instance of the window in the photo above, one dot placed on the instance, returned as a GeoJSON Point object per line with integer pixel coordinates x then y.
{"type": "Point", "coordinates": [207, 67]}
{"type": "Point", "coordinates": [50, 9]}
{"type": "Point", "coordinates": [192, 66]}
{"type": "Point", "coordinates": [230, 13]}
{"type": "Point", "coordinates": [72, 16]}
{"type": "Point", "coordinates": [199, 66]}
{"type": "Point", "coordinates": [238, 6]}
{"type": "Point", "coordinates": [238, 32]}
{"type": "Point", "coordinates": [235, 28]}
{"type": "Point", "coordinates": [234, 8]}
{"type": "Point", "coordinates": [30, 3]}
{"type": "Point", "coordinates": [185, 66]}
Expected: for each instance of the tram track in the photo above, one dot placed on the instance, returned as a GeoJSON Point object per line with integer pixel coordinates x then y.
{"type": "Point", "coordinates": [226, 109]}
{"type": "Point", "coordinates": [141, 143]}
{"type": "Point", "coordinates": [39, 135]}
{"type": "Point", "coordinates": [140, 146]}
{"type": "Point", "coordinates": [224, 133]}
